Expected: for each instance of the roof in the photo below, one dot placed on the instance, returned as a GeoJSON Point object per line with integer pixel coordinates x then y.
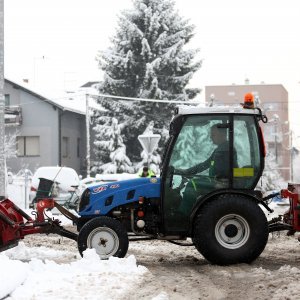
{"type": "Point", "coordinates": [31, 92]}
{"type": "Point", "coordinates": [75, 103]}
{"type": "Point", "coordinates": [249, 86]}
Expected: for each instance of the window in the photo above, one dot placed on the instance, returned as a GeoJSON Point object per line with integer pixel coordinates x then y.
{"type": "Point", "coordinates": [28, 145]}
{"type": "Point", "coordinates": [248, 151]}
{"type": "Point", "coordinates": [7, 99]}
{"type": "Point", "coordinates": [65, 146]}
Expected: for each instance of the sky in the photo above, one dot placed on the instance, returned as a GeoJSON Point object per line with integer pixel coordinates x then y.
{"type": "Point", "coordinates": [53, 43]}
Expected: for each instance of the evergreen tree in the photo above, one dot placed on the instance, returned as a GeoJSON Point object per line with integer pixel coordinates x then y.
{"type": "Point", "coordinates": [147, 59]}
{"type": "Point", "coordinates": [112, 144]}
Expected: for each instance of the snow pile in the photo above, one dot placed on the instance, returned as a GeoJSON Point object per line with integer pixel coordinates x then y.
{"type": "Point", "coordinates": [25, 253]}
{"type": "Point", "coordinates": [87, 277]}
{"type": "Point", "coordinates": [13, 274]}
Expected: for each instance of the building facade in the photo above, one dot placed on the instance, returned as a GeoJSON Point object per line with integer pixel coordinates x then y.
{"type": "Point", "coordinates": [47, 133]}
{"type": "Point", "coordinates": [273, 99]}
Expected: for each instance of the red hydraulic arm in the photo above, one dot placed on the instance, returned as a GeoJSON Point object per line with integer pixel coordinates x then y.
{"type": "Point", "coordinates": [292, 217]}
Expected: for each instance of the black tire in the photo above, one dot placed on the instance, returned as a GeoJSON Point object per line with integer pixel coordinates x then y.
{"type": "Point", "coordinates": [230, 229]}
{"type": "Point", "coordinates": [107, 235]}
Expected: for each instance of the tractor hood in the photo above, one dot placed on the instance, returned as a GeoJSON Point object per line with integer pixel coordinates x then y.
{"type": "Point", "coordinates": [105, 197]}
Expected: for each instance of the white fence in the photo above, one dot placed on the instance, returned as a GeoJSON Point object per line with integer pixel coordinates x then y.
{"type": "Point", "coordinates": [18, 191]}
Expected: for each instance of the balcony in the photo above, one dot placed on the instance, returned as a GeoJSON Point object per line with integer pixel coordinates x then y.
{"type": "Point", "coordinates": [13, 115]}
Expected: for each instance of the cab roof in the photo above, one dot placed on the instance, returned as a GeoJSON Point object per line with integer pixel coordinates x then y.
{"type": "Point", "coordinates": [183, 110]}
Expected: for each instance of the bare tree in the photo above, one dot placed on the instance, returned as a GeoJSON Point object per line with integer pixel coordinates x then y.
{"type": "Point", "coordinates": [10, 146]}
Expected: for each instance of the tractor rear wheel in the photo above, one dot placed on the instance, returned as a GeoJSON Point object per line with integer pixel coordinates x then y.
{"type": "Point", "coordinates": [230, 229]}
{"type": "Point", "coordinates": [106, 235]}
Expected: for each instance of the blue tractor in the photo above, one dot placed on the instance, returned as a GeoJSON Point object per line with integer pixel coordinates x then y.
{"type": "Point", "coordinates": [201, 195]}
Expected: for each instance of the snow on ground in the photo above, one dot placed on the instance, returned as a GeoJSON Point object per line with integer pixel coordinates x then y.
{"type": "Point", "coordinates": [84, 278]}
{"type": "Point", "coordinates": [151, 270]}
{"type": "Point", "coordinates": [50, 267]}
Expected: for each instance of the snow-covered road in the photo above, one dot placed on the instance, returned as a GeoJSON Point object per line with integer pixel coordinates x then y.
{"type": "Point", "coordinates": [49, 267]}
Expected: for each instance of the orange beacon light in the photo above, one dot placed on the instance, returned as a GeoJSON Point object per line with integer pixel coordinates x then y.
{"type": "Point", "coordinates": [248, 101]}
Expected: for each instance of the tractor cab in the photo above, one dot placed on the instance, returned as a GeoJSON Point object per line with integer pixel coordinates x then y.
{"type": "Point", "coordinates": [210, 151]}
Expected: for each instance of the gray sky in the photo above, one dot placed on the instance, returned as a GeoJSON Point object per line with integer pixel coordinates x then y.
{"type": "Point", "coordinates": [257, 39]}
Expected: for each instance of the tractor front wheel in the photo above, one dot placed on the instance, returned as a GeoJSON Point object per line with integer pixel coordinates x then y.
{"type": "Point", "coordinates": [230, 229]}
{"type": "Point", "coordinates": [106, 235]}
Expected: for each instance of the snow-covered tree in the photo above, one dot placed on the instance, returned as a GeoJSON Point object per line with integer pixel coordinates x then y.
{"type": "Point", "coordinates": [111, 142]}
{"type": "Point", "coordinates": [271, 179]}
{"type": "Point", "coordinates": [147, 59]}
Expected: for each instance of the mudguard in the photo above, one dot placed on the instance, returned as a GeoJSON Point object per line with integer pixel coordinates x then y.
{"type": "Point", "coordinates": [105, 197]}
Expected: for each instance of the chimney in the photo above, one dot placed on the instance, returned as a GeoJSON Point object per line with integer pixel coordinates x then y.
{"type": "Point", "coordinates": [26, 80]}
{"type": "Point", "coordinates": [247, 81]}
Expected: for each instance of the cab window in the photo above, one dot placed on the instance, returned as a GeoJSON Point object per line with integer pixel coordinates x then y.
{"type": "Point", "coordinates": [246, 143]}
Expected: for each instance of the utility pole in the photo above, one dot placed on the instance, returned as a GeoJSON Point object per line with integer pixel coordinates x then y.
{"type": "Point", "coordinates": [2, 105]}
{"type": "Point", "coordinates": [87, 124]}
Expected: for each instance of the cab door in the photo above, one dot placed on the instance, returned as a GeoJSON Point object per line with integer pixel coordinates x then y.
{"type": "Point", "coordinates": [247, 141]}
{"type": "Point", "coordinates": [183, 184]}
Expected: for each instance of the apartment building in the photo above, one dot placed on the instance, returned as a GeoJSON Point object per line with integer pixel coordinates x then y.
{"type": "Point", "coordinates": [273, 99]}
